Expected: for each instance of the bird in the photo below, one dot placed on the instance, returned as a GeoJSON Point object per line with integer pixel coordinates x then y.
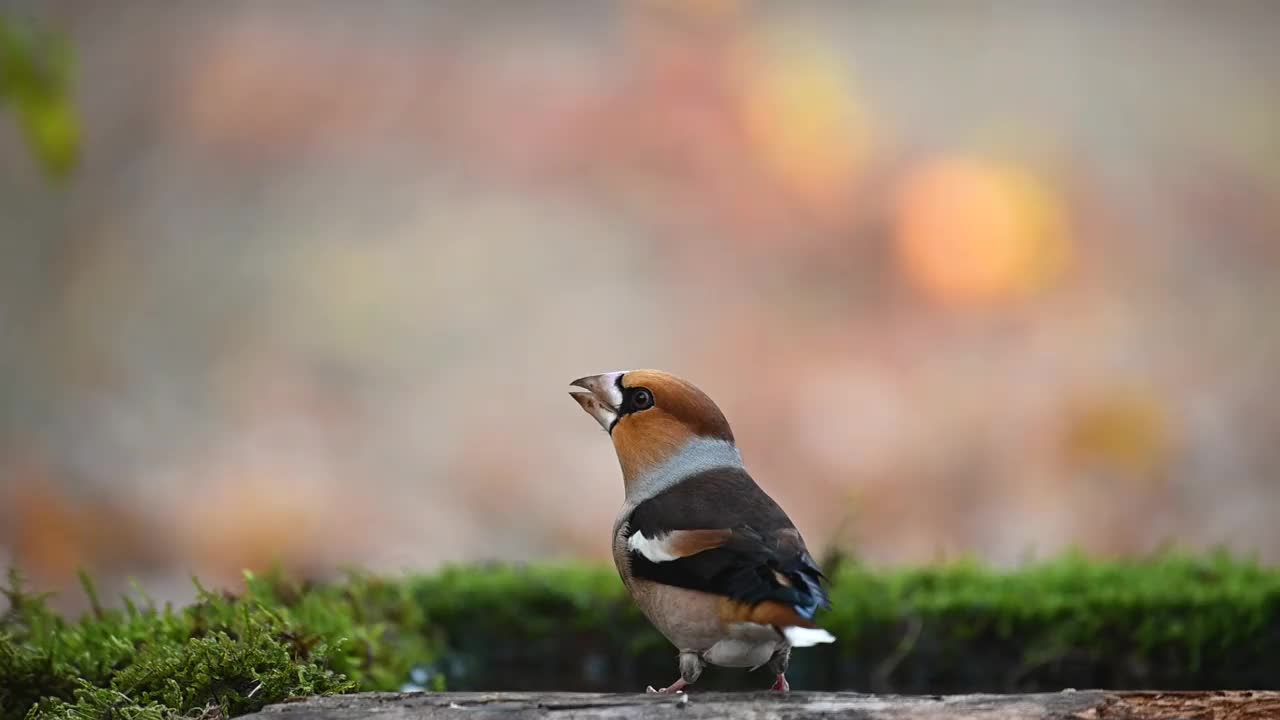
{"type": "Point", "coordinates": [710, 559]}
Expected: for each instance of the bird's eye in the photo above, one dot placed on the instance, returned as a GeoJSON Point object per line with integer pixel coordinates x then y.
{"type": "Point", "coordinates": [641, 399]}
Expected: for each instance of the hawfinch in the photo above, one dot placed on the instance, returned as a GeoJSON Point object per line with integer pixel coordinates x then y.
{"type": "Point", "coordinates": [711, 560]}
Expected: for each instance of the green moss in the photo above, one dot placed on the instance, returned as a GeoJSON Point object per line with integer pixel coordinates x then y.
{"type": "Point", "coordinates": [232, 654]}
{"type": "Point", "coordinates": [1171, 622]}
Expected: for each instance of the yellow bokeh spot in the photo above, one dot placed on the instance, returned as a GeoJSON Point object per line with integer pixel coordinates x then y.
{"type": "Point", "coordinates": [1125, 430]}
{"type": "Point", "coordinates": [969, 231]}
{"type": "Point", "coordinates": [803, 120]}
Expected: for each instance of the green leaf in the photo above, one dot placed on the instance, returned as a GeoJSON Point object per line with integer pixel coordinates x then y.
{"type": "Point", "coordinates": [35, 83]}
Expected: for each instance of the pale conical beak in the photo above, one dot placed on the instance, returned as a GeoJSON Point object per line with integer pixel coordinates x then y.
{"type": "Point", "coordinates": [602, 399]}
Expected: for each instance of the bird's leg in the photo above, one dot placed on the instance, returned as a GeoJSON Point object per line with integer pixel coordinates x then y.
{"type": "Point", "coordinates": [778, 665]}
{"type": "Point", "coordinates": [675, 687]}
{"type": "Point", "coordinates": [690, 668]}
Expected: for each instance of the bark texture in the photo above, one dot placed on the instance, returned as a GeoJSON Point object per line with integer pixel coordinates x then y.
{"type": "Point", "coordinates": [1067, 705]}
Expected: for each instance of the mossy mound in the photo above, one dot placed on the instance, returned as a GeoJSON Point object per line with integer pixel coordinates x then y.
{"type": "Point", "coordinates": [1173, 623]}
{"type": "Point", "coordinates": [222, 656]}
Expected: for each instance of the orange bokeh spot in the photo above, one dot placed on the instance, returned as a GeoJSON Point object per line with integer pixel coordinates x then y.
{"type": "Point", "coordinates": [975, 232]}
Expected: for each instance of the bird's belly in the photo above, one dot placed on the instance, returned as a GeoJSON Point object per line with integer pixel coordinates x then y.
{"type": "Point", "coordinates": [689, 619]}
{"type": "Point", "coordinates": [735, 653]}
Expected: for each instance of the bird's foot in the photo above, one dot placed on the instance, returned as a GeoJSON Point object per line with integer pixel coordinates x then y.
{"type": "Point", "coordinates": [781, 684]}
{"type": "Point", "coordinates": [675, 687]}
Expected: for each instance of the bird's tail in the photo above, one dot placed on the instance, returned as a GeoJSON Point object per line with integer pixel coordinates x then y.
{"type": "Point", "coordinates": [810, 596]}
{"type": "Point", "coordinates": [805, 637]}
{"type": "Point", "coordinates": [806, 581]}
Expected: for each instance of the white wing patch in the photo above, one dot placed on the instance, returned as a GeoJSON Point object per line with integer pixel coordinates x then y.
{"type": "Point", "coordinates": [805, 637]}
{"type": "Point", "coordinates": [654, 549]}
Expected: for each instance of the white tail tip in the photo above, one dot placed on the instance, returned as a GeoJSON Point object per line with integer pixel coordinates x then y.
{"type": "Point", "coordinates": [804, 637]}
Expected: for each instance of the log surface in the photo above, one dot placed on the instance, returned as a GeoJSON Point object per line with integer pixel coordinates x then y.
{"type": "Point", "coordinates": [1067, 705]}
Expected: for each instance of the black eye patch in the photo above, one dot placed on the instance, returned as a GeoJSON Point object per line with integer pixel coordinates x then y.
{"type": "Point", "coordinates": [635, 399]}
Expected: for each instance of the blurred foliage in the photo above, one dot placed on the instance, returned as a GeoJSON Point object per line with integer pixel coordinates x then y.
{"type": "Point", "coordinates": [35, 81]}
{"type": "Point", "coordinates": [1173, 622]}
{"type": "Point", "coordinates": [1176, 622]}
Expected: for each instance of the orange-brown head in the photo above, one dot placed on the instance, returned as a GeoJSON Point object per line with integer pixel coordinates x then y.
{"type": "Point", "coordinates": [659, 423]}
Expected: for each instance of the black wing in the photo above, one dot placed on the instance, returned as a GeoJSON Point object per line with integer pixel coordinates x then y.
{"type": "Point", "coordinates": [763, 559]}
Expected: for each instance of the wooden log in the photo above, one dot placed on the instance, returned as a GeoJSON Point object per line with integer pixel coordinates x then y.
{"type": "Point", "coordinates": [1067, 705]}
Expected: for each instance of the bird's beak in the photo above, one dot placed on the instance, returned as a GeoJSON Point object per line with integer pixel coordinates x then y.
{"type": "Point", "coordinates": [602, 398]}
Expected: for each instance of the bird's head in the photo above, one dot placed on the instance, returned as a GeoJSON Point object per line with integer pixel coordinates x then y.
{"type": "Point", "coordinates": [661, 425]}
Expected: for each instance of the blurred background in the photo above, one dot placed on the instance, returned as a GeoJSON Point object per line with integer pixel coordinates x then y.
{"type": "Point", "coordinates": [992, 278]}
